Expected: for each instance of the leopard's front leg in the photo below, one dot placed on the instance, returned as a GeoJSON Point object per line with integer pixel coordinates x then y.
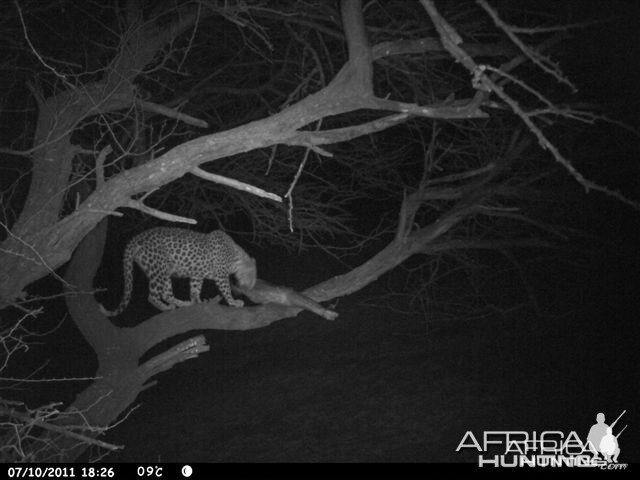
{"type": "Point", "coordinates": [222, 281]}
{"type": "Point", "coordinates": [195, 289]}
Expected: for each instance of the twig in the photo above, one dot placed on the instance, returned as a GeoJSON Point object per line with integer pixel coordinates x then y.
{"type": "Point", "coordinates": [33, 49]}
{"type": "Point", "coordinates": [58, 429]}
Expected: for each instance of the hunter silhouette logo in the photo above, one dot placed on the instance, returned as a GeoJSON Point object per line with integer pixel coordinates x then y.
{"type": "Point", "coordinates": [601, 439]}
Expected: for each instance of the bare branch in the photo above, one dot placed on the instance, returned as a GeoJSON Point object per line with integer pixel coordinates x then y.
{"type": "Point", "coordinates": [138, 205]}
{"type": "Point", "coordinates": [65, 430]}
{"type": "Point", "coordinates": [100, 164]}
{"type": "Point", "coordinates": [185, 350]}
{"type": "Point", "coordinates": [541, 61]}
{"type": "Point", "coordinates": [324, 137]}
{"type": "Point", "coordinates": [451, 40]}
{"type": "Point", "coordinates": [426, 45]}
{"type": "Point", "coordinates": [230, 182]}
{"type": "Point", "coordinates": [172, 113]}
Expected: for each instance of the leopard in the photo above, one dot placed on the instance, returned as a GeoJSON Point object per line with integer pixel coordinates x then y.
{"type": "Point", "coordinates": [165, 252]}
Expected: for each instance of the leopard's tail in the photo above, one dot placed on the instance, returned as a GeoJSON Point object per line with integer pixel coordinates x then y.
{"type": "Point", "coordinates": [127, 266]}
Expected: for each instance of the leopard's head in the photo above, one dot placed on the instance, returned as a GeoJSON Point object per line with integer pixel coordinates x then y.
{"type": "Point", "coordinates": [246, 272]}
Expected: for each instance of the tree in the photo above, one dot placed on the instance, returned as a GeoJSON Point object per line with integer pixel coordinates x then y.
{"type": "Point", "coordinates": [114, 124]}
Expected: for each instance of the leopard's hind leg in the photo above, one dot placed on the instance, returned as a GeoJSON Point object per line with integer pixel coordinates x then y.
{"type": "Point", "coordinates": [157, 292]}
{"type": "Point", "coordinates": [161, 293]}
